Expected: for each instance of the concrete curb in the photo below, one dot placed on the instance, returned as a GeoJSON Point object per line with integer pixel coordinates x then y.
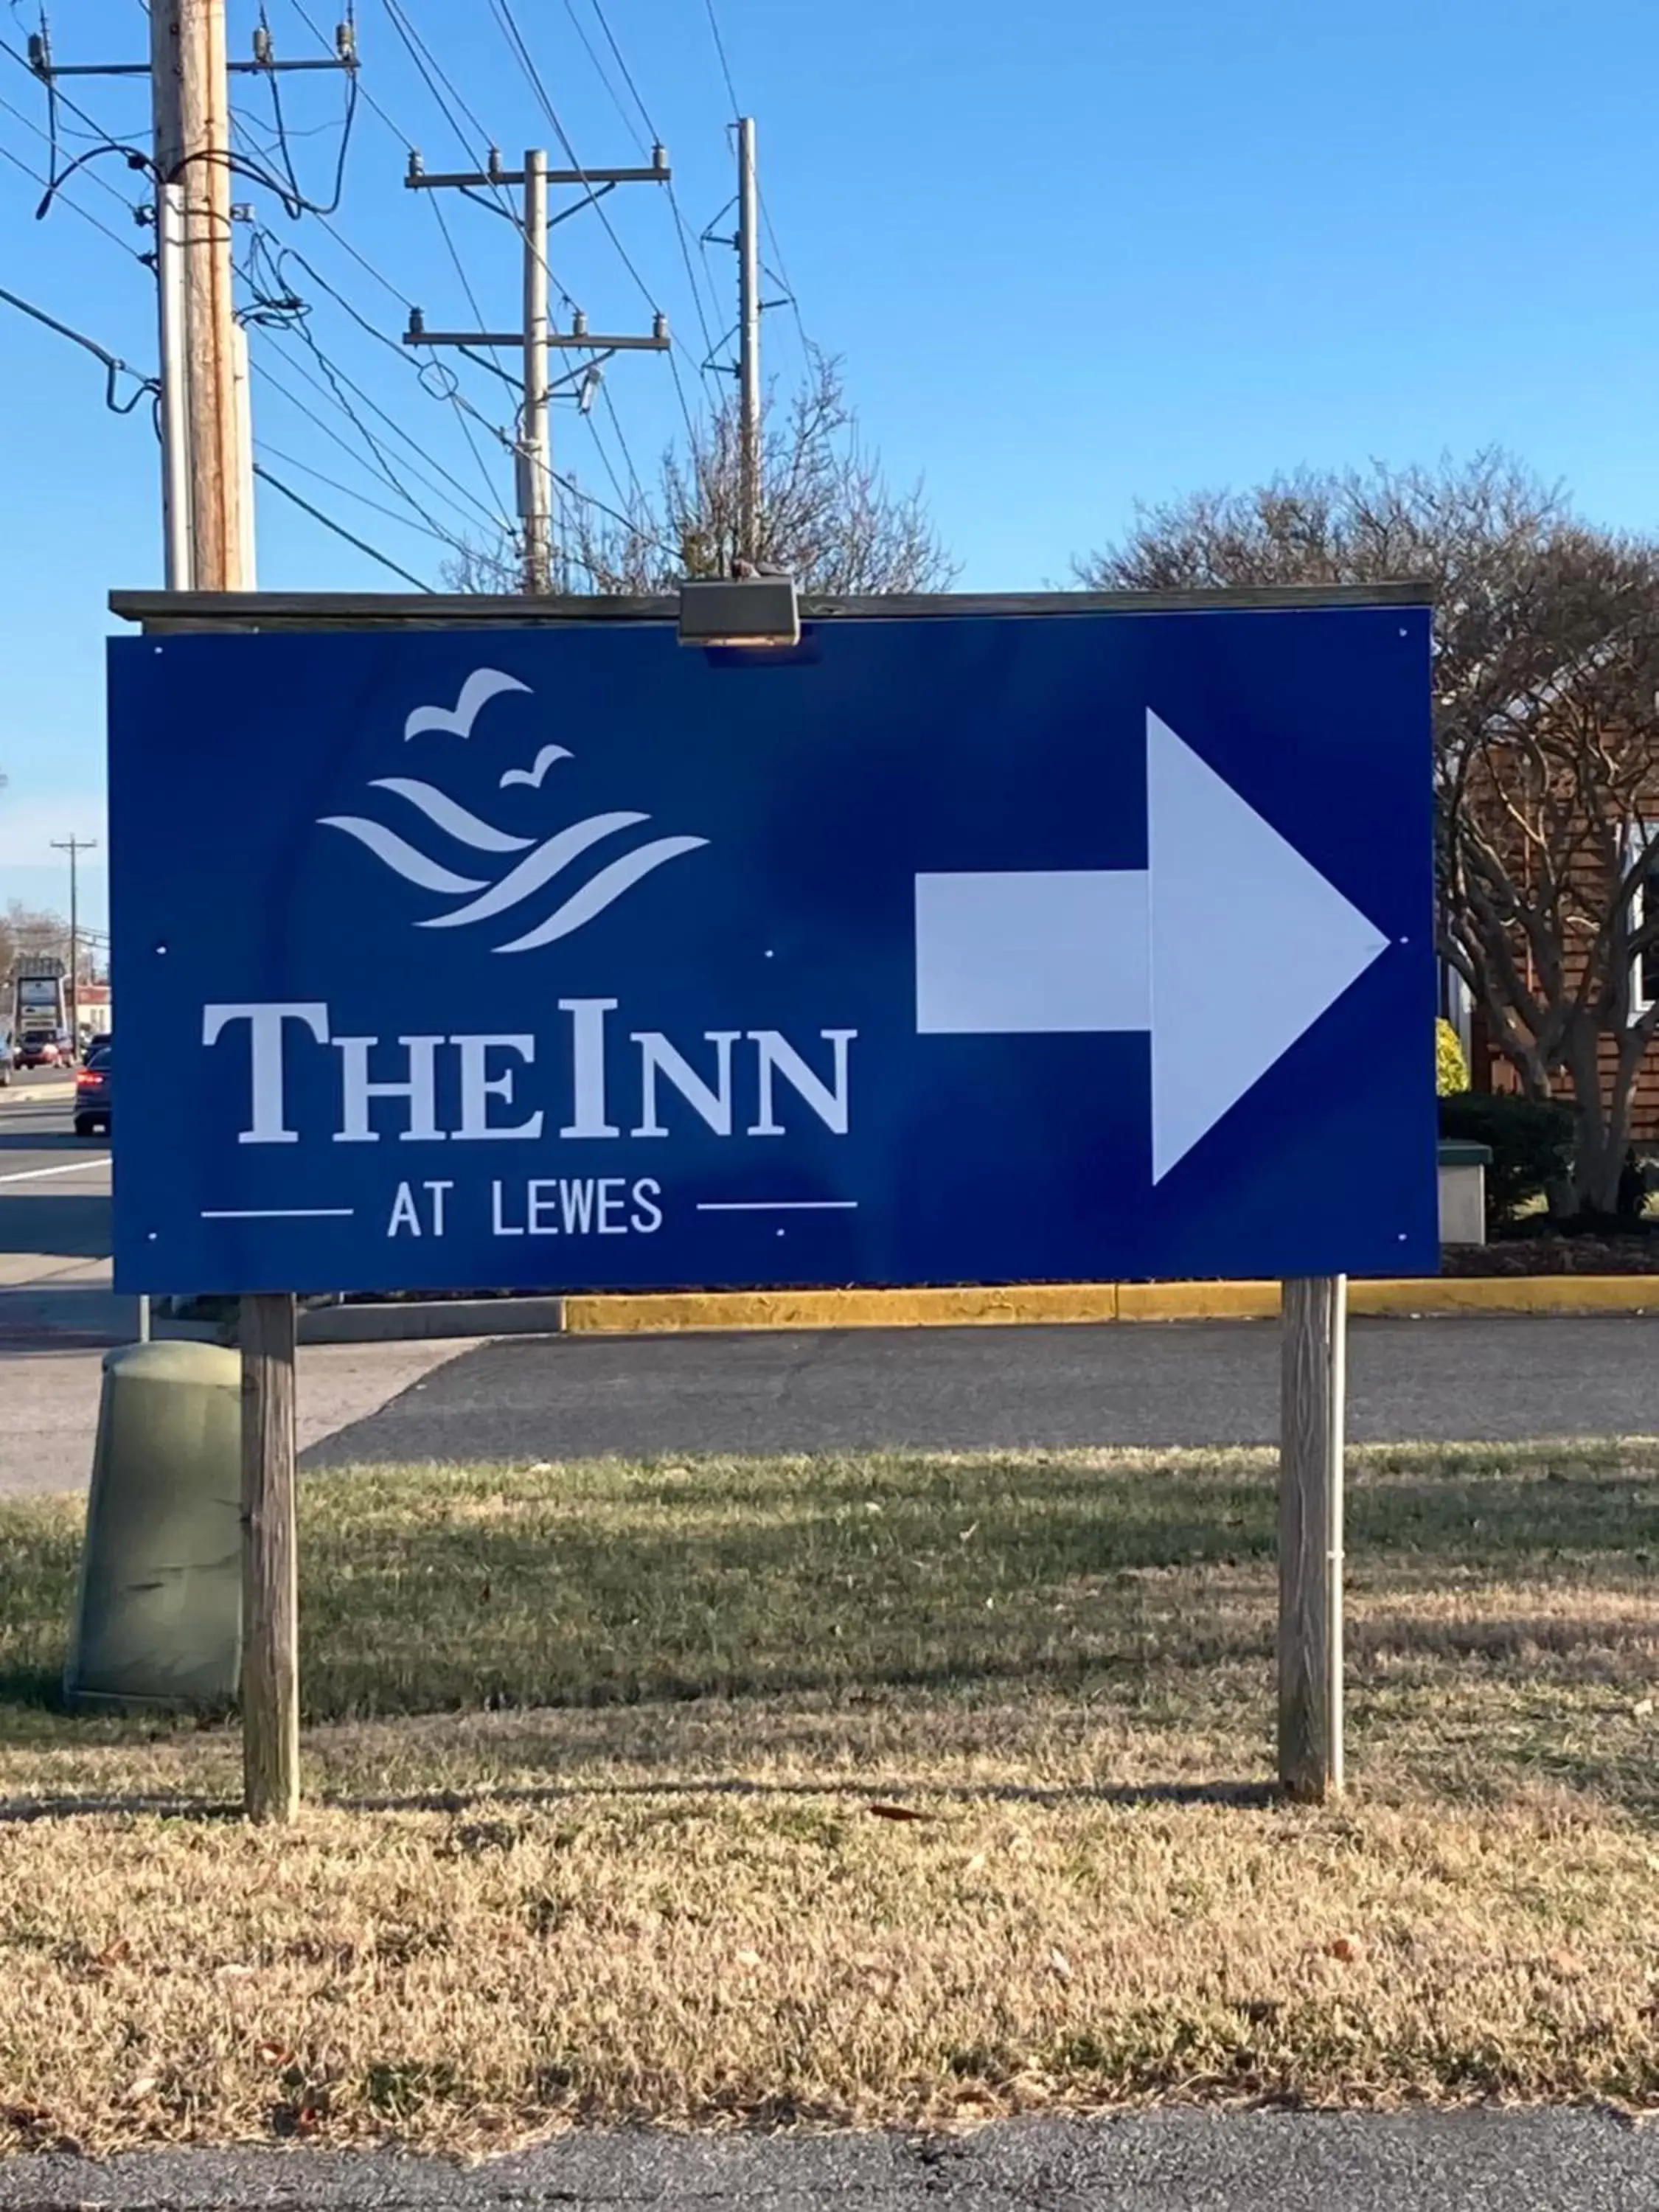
{"type": "Point", "coordinates": [1085, 1302]}
{"type": "Point", "coordinates": [672, 1313]}
{"type": "Point", "coordinates": [400, 1322]}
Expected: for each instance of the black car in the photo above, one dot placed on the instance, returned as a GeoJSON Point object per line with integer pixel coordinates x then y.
{"type": "Point", "coordinates": [92, 1095]}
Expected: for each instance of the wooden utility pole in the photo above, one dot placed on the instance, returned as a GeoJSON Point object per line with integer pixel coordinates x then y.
{"type": "Point", "coordinates": [1311, 1421]}
{"type": "Point", "coordinates": [189, 63]}
{"type": "Point", "coordinates": [209, 323]}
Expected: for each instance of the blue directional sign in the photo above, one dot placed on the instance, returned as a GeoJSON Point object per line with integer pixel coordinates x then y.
{"type": "Point", "coordinates": [956, 949]}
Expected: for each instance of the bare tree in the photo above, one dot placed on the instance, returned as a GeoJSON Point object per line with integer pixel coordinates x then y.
{"type": "Point", "coordinates": [29, 930]}
{"type": "Point", "coordinates": [829, 516]}
{"type": "Point", "coordinates": [1546, 753]}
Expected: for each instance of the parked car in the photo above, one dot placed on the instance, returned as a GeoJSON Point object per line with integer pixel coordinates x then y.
{"type": "Point", "coordinates": [100, 1043]}
{"type": "Point", "coordinates": [41, 1050]}
{"type": "Point", "coordinates": [6, 1060]}
{"type": "Point", "coordinates": [92, 1095]}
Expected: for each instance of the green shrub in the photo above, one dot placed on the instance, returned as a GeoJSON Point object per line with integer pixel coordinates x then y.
{"type": "Point", "coordinates": [1531, 1143]}
{"type": "Point", "coordinates": [1452, 1070]}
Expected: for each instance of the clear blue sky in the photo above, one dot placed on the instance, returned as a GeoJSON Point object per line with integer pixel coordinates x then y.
{"type": "Point", "coordinates": [1073, 252]}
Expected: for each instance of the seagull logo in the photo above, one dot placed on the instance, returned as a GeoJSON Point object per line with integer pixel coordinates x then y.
{"type": "Point", "coordinates": [532, 776]}
{"type": "Point", "coordinates": [479, 688]}
{"type": "Point", "coordinates": [526, 866]}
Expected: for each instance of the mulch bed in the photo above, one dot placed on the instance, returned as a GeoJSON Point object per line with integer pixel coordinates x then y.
{"type": "Point", "coordinates": [1635, 1252]}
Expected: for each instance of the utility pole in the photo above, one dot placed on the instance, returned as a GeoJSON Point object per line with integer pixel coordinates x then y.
{"type": "Point", "coordinates": [206, 491]}
{"type": "Point", "coordinates": [193, 33]}
{"type": "Point", "coordinates": [749, 344]}
{"type": "Point", "coordinates": [751, 460]}
{"type": "Point", "coordinates": [188, 74]}
{"type": "Point", "coordinates": [190, 45]}
{"type": "Point", "coordinates": [538, 339]}
{"type": "Point", "coordinates": [74, 847]}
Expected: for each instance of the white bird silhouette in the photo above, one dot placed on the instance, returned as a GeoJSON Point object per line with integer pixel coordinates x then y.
{"type": "Point", "coordinates": [479, 688]}
{"type": "Point", "coordinates": [532, 776]}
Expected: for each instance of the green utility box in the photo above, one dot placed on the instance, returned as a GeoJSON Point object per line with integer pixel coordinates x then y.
{"type": "Point", "coordinates": [160, 1616]}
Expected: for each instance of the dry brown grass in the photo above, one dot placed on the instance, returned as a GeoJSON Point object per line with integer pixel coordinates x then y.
{"type": "Point", "coordinates": [648, 1884]}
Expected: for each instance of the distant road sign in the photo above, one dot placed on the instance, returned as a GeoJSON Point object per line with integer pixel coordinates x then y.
{"type": "Point", "coordinates": [965, 949]}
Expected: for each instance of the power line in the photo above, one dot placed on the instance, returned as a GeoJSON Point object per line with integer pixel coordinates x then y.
{"type": "Point", "coordinates": [338, 528]}
{"type": "Point", "coordinates": [606, 461]}
{"type": "Point", "coordinates": [766, 218]}
{"type": "Point", "coordinates": [56, 97]}
{"type": "Point", "coordinates": [430, 68]}
{"type": "Point", "coordinates": [267, 370]}
{"type": "Point", "coordinates": [350, 491]}
{"type": "Point", "coordinates": [449, 99]}
{"type": "Point", "coordinates": [380, 465]}
{"type": "Point", "coordinates": [114, 367]}
{"type": "Point", "coordinates": [627, 457]}
{"type": "Point", "coordinates": [278, 255]}
{"type": "Point", "coordinates": [434, 75]}
{"type": "Point", "coordinates": [75, 206]}
{"type": "Point", "coordinates": [504, 17]}
{"type": "Point", "coordinates": [725, 66]}
{"type": "Point", "coordinates": [311, 207]}
{"type": "Point", "coordinates": [45, 136]}
{"type": "Point", "coordinates": [337, 376]}
{"type": "Point", "coordinates": [680, 224]}
{"type": "Point", "coordinates": [622, 63]}
{"type": "Point", "coordinates": [294, 203]}
{"type": "Point", "coordinates": [502, 9]}
{"type": "Point", "coordinates": [628, 522]}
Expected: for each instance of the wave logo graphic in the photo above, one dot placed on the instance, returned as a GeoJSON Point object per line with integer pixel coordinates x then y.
{"type": "Point", "coordinates": [523, 866]}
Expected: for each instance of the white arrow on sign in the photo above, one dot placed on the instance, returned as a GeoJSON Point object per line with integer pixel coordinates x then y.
{"type": "Point", "coordinates": [1227, 946]}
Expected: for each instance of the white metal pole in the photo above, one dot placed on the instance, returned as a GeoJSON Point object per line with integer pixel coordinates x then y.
{"type": "Point", "coordinates": [175, 392]}
{"type": "Point", "coordinates": [535, 490]}
{"type": "Point", "coordinates": [242, 401]}
{"type": "Point", "coordinates": [749, 325]}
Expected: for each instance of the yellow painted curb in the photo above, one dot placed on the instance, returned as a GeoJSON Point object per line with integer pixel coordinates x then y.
{"type": "Point", "coordinates": [923, 1309]}
{"type": "Point", "coordinates": [1508, 1294]}
{"type": "Point", "coordinates": [1197, 1301]}
{"type": "Point", "coordinates": [664, 1312]}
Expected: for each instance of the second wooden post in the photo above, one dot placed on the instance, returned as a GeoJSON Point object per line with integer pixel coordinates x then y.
{"type": "Point", "coordinates": [1311, 1419]}
{"type": "Point", "coordinates": [271, 1626]}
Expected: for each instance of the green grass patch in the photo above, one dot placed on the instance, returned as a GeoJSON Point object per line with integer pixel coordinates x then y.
{"type": "Point", "coordinates": [591, 1759]}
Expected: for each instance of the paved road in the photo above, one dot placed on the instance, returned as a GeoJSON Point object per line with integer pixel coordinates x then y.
{"type": "Point", "coordinates": [57, 1311]}
{"type": "Point", "coordinates": [940, 1389]}
{"type": "Point", "coordinates": [54, 1186]}
{"type": "Point", "coordinates": [1477, 2161]}
{"type": "Point", "coordinates": [957, 1389]}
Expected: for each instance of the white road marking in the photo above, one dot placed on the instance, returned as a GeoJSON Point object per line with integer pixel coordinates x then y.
{"type": "Point", "coordinates": [69, 1167]}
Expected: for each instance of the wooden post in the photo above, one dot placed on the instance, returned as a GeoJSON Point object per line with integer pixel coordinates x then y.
{"type": "Point", "coordinates": [192, 95]}
{"type": "Point", "coordinates": [1314, 1346]}
{"type": "Point", "coordinates": [199, 27]}
{"type": "Point", "coordinates": [270, 1663]}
